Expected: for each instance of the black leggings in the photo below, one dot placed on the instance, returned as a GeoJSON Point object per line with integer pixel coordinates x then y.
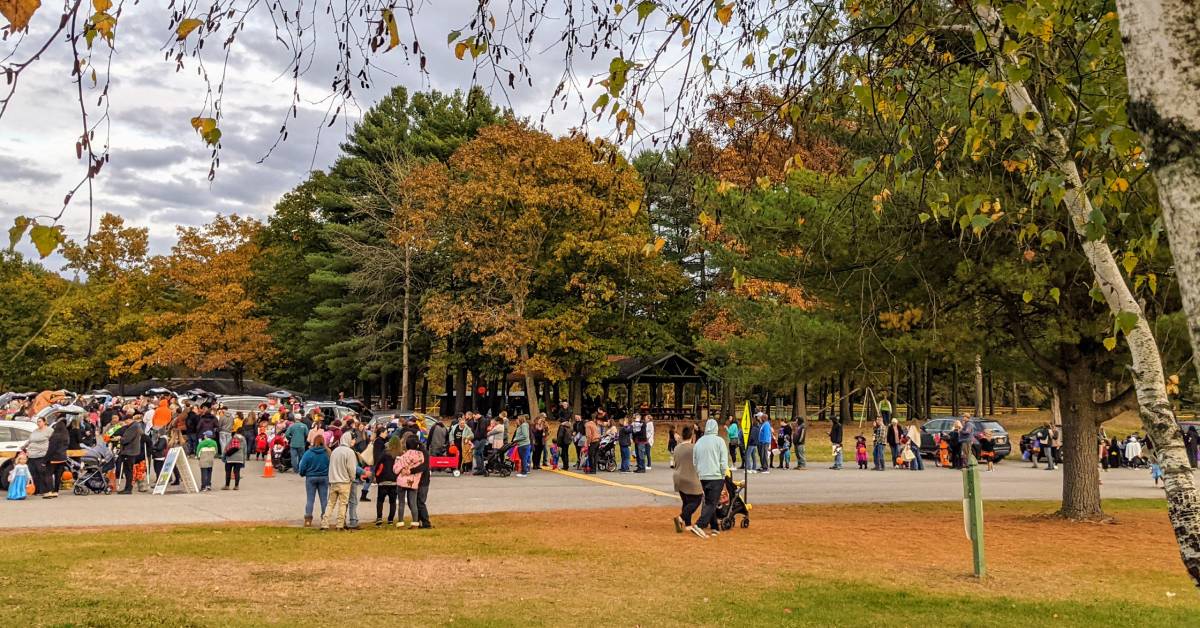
{"type": "Point", "coordinates": [234, 470]}
{"type": "Point", "coordinates": [690, 504]}
{"type": "Point", "coordinates": [388, 493]}
{"type": "Point", "coordinates": [712, 495]}
{"type": "Point", "coordinates": [56, 473]}
{"type": "Point", "coordinates": [538, 452]}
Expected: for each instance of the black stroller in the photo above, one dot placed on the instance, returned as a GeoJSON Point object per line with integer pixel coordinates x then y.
{"type": "Point", "coordinates": [732, 504]}
{"type": "Point", "coordinates": [497, 462]}
{"type": "Point", "coordinates": [606, 455]}
{"type": "Point", "coordinates": [281, 458]}
{"type": "Point", "coordinates": [91, 472]}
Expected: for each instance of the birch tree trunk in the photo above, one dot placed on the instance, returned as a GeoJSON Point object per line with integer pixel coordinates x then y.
{"type": "Point", "coordinates": [1162, 63]}
{"type": "Point", "coordinates": [405, 376]}
{"type": "Point", "coordinates": [531, 396]}
{"type": "Point", "coordinates": [978, 385]}
{"type": "Point", "coordinates": [1149, 381]}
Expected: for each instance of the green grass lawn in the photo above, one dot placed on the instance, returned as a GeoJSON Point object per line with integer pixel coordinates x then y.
{"type": "Point", "coordinates": [840, 565]}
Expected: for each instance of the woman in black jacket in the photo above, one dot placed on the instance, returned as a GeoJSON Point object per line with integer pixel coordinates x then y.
{"type": "Point", "coordinates": [385, 478]}
{"type": "Point", "coordinates": [563, 439]}
{"type": "Point", "coordinates": [57, 456]}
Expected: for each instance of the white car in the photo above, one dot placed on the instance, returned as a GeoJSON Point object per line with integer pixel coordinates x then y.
{"type": "Point", "coordinates": [13, 435]}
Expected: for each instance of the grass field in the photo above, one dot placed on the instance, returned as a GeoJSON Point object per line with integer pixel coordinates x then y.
{"type": "Point", "coordinates": [867, 565]}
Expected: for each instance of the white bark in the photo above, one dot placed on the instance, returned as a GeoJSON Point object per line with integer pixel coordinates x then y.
{"type": "Point", "coordinates": [1162, 62]}
{"type": "Point", "coordinates": [1150, 383]}
{"type": "Point", "coordinates": [978, 385]}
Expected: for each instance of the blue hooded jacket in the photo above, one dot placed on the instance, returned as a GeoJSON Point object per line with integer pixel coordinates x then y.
{"type": "Point", "coordinates": [314, 463]}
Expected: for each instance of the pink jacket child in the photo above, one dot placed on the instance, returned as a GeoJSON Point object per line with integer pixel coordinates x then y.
{"type": "Point", "coordinates": [409, 460]}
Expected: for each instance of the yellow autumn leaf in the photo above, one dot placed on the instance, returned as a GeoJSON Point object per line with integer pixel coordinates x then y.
{"type": "Point", "coordinates": [18, 12]}
{"type": "Point", "coordinates": [634, 206]}
{"type": "Point", "coordinates": [724, 13]}
{"type": "Point", "coordinates": [186, 27]}
{"type": "Point", "coordinates": [1119, 185]}
{"type": "Point", "coordinates": [460, 49]}
{"type": "Point", "coordinates": [101, 5]}
{"type": "Point", "coordinates": [389, 20]}
{"type": "Point", "coordinates": [1047, 31]}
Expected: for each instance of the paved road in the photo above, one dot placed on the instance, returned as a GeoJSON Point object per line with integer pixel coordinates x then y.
{"type": "Point", "coordinates": [281, 499]}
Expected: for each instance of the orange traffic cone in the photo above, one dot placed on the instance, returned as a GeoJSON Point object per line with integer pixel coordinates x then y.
{"type": "Point", "coordinates": [268, 469]}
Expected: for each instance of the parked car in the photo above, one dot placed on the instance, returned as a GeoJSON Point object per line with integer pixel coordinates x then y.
{"type": "Point", "coordinates": [1027, 439]}
{"type": "Point", "coordinates": [943, 425]}
{"type": "Point", "coordinates": [242, 403]}
{"type": "Point", "coordinates": [13, 435]}
{"type": "Point", "coordinates": [333, 409]}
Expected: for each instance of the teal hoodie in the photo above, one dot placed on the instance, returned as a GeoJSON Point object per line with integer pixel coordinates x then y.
{"type": "Point", "coordinates": [711, 455]}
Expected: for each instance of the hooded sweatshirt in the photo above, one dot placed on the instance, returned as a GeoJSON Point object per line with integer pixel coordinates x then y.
{"type": "Point", "coordinates": [162, 415]}
{"type": "Point", "coordinates": [710, 454]}
{"type": "Point", "coordinates": [315, 462]}
{"type": "Point", "coordinates": [343, 461]}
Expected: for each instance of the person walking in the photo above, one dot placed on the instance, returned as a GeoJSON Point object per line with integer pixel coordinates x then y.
{"type": "Point", "coordinates": [687, 480]}
{"type": "Point", "coordinates": [522, 440]}
{"type": "Point", "coordinates": [751, 462]}
{"type": "Point", "coordinates": [235, 459]}
{"type": "Point", "coordinates": [314, 468]}
{"type": "Point", "coordinates": [799, 434]}
{"type": "Point", "coordinates": [885, 409]}
{"type": "Point", "coordinates": [131, 450]}
{"type": "Point", "coordinates": [711, 458]}
{"type": "Point", "coordinates": [297, 438]}
{"type": "Point", "coordinates": [37, 448]}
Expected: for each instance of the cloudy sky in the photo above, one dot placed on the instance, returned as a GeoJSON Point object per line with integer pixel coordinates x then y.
{"type": "Point", "coordinates": [157, 177]}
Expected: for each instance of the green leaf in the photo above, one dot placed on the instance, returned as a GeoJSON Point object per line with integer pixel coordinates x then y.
{"type": "Point", "coordinates": [46, 239]}
{"type": "Point", "coordinates": [1126, 321]}
{"type": "Point", "coordinates": [860, 165]}
{"type": "Point", "coordinates": [454, 35]}
{"type": "Point", "coordinates": [1129, 262]}
{"type": "Point", "coordinates": [20, 224]}
{"type": "Point", "coordinates": [979, 222]}
{"type": "Point", "coordinates": [1027, 296]}
{"type": "Point", "coordinates": [923, 217]}
{"type": "Point", "coordinates": [645, 8]}
{"type": "Point", "coordinates": [1110, 343]}
{"type": "Point", "coordinates": [980, 41]}
{"type": "Point", "coordinates": [1055, 293]}
{"type": "Point", "coordinates": [1153, 279]}
{"type": "Point", "coordinates": [1096, 294]}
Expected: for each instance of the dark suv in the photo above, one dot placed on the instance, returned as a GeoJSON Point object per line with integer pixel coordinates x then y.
{"type": "Point", "coordinates": [943, 425]}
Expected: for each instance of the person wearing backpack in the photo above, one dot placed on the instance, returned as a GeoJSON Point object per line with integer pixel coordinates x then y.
{"type": "Point", "coordinates": [235, 459]}
{"type": "Point", "coordinates": [206, 453]}
{"type": "Point", "coordinates": [637, 429]}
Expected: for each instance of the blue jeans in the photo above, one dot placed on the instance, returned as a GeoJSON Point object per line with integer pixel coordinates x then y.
{"type": "Point", "coordinates": [314, 487]}
{"type": "Point", "coordinates": [297, 454]}
{"type": "Point", "coordinates": [785, 457]}
{"type": "Point", "coordinates": [639, 450]}
{"type": "Point", "coordinates": [751, 457]}
{"type": "Point", "coordinates": [625, 458]}
{"type": "Point", "coordinates": [646, 453]}
{"type": "Point", "coordinates": [837, 459]}
{"type": "Point", "coordinates": [801, 459]}
{"type": "Point", "coordinates": [916, 464]}
{"type": "Point", "coordinates": [764, 450]}
{"type": "Point", "coordinates": [480, 448]}
{"type": "Point", "coordinates": [526, 457]}
{"type": "Point", "coordinates": [879, 456]}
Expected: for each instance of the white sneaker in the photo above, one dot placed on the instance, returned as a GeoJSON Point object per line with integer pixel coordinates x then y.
{"type": "Point", "coordinates": [698, 532]}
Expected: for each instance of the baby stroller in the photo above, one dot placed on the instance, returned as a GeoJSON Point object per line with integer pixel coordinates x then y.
{"type": "Point", "coordinates": [91, 474]}
{"type": "Point", "coordinates": [606, 458]}
{"type": "Point", "coordinates": [281, 458]}
{"type": "Point", "coordinates": [732, 504]}
{"type": "Point", "coordinates": [497, 461]}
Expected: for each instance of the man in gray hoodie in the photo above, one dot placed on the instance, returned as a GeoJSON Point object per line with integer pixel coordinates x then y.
{"type": "Point", "coordinates": [342, 465]}
{"type": "Point", "coordinates": [711, 457]}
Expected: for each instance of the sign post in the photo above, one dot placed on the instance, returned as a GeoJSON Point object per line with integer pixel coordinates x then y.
{"type": "Point", "coordinates": [973, 512]}
{"type": "Point", "coordinates": [745, 434]}
{"type": "Point", "coordinates": [175, 457]}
